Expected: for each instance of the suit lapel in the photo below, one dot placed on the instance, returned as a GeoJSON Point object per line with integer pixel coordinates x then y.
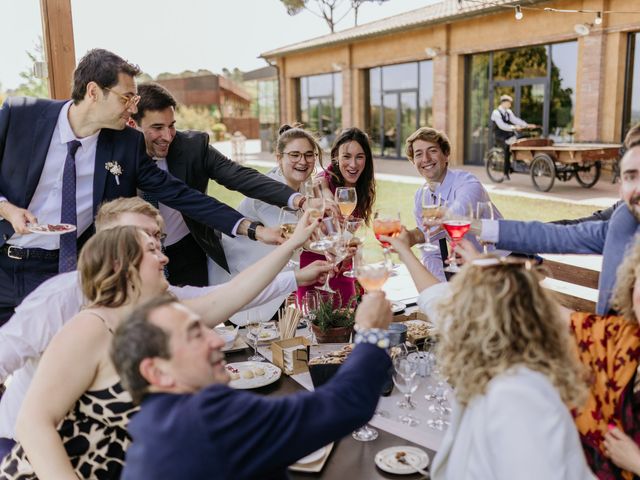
{"type": "Point", "coordinates": [44, 128]}
{"type": "Point", "coordinates": [104, 153]}
{"type": "Point", "coordinates": [175, 160]}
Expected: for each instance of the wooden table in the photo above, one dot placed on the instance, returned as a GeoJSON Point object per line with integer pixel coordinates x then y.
{"type": "Point", "coordinates": [350, 458]}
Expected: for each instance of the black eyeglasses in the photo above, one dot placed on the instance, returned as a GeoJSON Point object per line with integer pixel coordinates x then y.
{"type": "Point", "coordinates": [297, 156]}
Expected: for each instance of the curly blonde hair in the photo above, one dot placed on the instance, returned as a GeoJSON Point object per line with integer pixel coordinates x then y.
{"type": "Point", "coordinates": [499, 317]}
{"type": "Point", "coordinates": [625, 281]}
{"type": "Point", "coordinates": [109, 264]}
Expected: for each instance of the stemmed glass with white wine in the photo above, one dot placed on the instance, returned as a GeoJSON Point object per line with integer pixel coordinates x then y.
{"type": "Point", "coordinates": [432, 210]}
{"type": "Point", "coordinates": [288, 220]}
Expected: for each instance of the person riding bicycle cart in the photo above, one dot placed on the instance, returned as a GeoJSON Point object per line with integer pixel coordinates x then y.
{"type": "Point", "coordinates": [506, 128]}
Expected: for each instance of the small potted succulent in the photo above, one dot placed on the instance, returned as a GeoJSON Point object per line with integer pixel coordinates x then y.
{"type": "Point", "coordinates": [330, 324]}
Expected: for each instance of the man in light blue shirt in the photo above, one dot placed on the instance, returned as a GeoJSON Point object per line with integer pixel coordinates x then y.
{"type": "Point", "coordinates": [429, 149]}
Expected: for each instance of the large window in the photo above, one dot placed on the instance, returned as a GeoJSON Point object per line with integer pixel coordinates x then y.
{"type": "Point", "coordinates": [400, 99]}
{"type": "Point", "coordinates": [632, 91]}
{"type": "Point", "coordinates": [540, 79]}
{"type": "Point", "coordinates": [321, 105]}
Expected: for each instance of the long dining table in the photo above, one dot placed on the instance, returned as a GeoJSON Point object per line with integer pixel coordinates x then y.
{"type": "Point", "coordinates": [349, 458]}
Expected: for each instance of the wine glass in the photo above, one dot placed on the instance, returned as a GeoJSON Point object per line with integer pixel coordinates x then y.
{"type": "Point", "coordinates": [327, 234]}
{"type": "Point", "coordinates": [386, 222]}
{"type": "Point", "coordinates": [431, 211]}
{"type": "Point", "coordinates": [335, 252]}
{"type": "Point", "coordinates": [372, 268]}
{"type": "Point", "coordinates": [456, 222]}
{"type": "Point", "coordinates": [308, 305]}
{"type": "Point", "coordinates": [347, 199]}
{"type": "Point", "coordinates": [254, 330]}
{"type": "Point", "coordinates": [484, 210]}
{"type": "Point", "coordinates": [288, 220]}
{"type": "Point", "coordinates": [405, 377]}
{"type": "Point", "coordinates": [315, 198]}
{"type": "Point", "coordinates": [351, 228]}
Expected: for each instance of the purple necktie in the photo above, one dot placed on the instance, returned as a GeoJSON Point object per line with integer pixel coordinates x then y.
{"type": "Point", "coordinates": [68, 241]}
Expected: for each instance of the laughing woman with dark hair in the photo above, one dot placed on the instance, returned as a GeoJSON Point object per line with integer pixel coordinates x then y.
{"type": "Point", "coordinates": [351, 166]}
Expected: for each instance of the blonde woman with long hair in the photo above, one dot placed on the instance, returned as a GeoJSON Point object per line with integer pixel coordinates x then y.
{"type": "Point", "coordinates": [505, 349]}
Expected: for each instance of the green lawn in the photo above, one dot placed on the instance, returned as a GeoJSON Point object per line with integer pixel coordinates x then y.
{"type": "Point", "coordinates": [400, 195]}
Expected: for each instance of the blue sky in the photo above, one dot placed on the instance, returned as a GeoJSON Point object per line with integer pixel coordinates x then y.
{"type": "Point", "coordinates": [167, 35]}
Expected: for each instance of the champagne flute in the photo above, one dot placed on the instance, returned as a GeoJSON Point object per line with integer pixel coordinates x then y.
{"type": "Point", "coordinates": [351, 227]}
{"type": "Point", "coordinates": [484, 210]}
{"type": "Point", "coordinates": [431, 211]}
{"type": "Point", "coordinates": [308, 305]}
{"type": "Point", "coordinates": [347, 199]}
{"type": "Point", "coordinates": [254, 328]}
{"type": "Point", "coordinates": [386, 222]}
{"type": "Point", "coordinates": [456, 222]}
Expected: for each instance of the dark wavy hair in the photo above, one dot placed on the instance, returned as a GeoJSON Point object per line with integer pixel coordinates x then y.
{"type": "Point", "coordinates": [366, 184]}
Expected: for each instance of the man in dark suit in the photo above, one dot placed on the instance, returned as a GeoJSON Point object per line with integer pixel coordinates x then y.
{"type": "Point", "coordinates": [59, 160]}
{"type": "Point", "coordinates": [193, 425]}
{"type": "Point", "coordinates": [188, 156]}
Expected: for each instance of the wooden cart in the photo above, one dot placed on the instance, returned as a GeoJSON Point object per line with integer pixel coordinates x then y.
{"type": "Point", "coordinates": [546, 161]}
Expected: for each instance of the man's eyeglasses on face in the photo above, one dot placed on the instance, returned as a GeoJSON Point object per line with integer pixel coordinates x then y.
{"type": "Point", "coordinates": [157, 236]}
{"type": "Point", "coordinates": [297, 156]}
{"type": "Point", "coordinates": [127, 100]}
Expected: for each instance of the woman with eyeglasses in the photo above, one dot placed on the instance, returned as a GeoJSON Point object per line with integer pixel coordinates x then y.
{"type": "Point", "coordinates": [505, 349]}
{"type": "Point", "coordinates": [296, 154]}
{"type": "Point", "coordinates": [351, 166]}
{"type": "Point", "coordinates": [72, 423]}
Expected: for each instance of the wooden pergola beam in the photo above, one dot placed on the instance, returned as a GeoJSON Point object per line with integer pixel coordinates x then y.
{"type": "Point", "coordinates": [57, 28]}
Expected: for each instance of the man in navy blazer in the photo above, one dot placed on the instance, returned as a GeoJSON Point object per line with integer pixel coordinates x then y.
{"type": "Point", "coordinates": [188, 156]}
{"type": "Point", "coordinates": [110, 162]}
{"type": "Point", "coordinates": [611, 237]}
{"type": "Point", "coordinates": [192, 425]}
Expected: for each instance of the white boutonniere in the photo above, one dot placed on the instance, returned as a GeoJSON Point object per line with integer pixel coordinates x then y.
{"type": "Point", "coordinates": [114, 169]}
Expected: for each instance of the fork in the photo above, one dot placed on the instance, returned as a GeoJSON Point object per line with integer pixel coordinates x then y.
{"type": "Point", "coordinates": [404, 460]}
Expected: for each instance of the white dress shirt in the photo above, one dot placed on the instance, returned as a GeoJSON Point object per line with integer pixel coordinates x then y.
{"type": "Point", "coordinates": [46, 203]}
{"type": "Point", "coordinates": [497, 118]}
{"type": "Point", "coordinates": [175, 227]}
{"type": "Point", "coordinates": [44, 312]}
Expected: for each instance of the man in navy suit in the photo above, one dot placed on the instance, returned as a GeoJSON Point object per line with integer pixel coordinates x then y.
{"type": "Point", "coordinates": [188, 156]}
{"type": "Point", "coordinates": [59, 160]}
{"type": "Point", "coordinates": [192, 425]}
{"type": "Point", "coordinates": [610, 238]}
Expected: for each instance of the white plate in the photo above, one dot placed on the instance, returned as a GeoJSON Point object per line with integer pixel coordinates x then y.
{"type": "Point", "coordinates": [271, 374]}
{"type": "Point", "coordinates": [386, 460]}
{"type": "Point", "coordinates": [266, 335]}
{"type": "Point", "coordinates": [312, 457]}
{"type": "Point", "coordinates": [397, 307]}
{"type": "Point", "coordinates": [49, 228]}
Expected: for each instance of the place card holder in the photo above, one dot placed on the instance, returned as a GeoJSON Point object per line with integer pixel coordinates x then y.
{"type": "Point", "coordinates": [300, 357]}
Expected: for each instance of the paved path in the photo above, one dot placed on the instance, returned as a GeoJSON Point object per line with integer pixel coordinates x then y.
{"type": "Point", "coordinates": [603, 194]}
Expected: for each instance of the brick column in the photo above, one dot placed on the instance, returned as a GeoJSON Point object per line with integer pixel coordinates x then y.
{"type": "Point", "coordinates": [591, 77]}
{"type": "Point", "coordinates": [440, 102]}
{"type": "Point", "coordinates": [347, 97]}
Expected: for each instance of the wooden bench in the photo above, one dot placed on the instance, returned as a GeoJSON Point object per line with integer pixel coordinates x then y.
{"type": "Point", "coordinates": [574, 280]}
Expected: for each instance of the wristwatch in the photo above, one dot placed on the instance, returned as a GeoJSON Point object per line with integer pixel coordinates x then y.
{"type": "Point", "coordinates": [251, 231]}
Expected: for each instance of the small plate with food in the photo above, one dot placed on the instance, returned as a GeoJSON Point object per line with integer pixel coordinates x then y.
{"type": "Point", "coordinates": [51, 228]}
{"type": "Point", "coordinates": [246, 375]}
{"type": "Point", "coordinates": [402, 460]}
{"type": "Point", "coordinates": [265, 335]}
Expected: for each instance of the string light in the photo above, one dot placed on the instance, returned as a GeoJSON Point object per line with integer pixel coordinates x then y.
{"type": "Point", "coordinates": [598, 20]}
{"type": "Point", "coordinates": [519, 13]}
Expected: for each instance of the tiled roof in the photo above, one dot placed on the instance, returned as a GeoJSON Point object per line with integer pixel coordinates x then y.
{"type": "Point", "coordinates": [446, 10]}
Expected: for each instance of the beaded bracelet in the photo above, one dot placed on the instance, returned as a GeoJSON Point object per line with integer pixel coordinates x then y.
{"type": "Point", "coordinates": [374, 336]}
